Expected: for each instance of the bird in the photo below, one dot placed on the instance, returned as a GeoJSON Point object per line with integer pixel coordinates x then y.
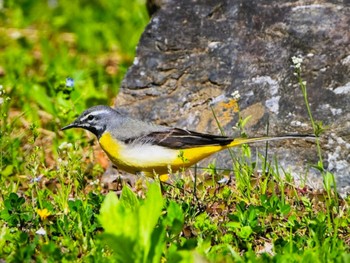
{"type": "Point", "coordinates": [140, 147]}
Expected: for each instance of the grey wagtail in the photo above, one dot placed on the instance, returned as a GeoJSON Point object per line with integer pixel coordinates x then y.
{"type": "Point", "coordinates": [136, 146]}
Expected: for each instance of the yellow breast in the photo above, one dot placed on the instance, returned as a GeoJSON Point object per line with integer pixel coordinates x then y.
{"type": "Point", "coordinates": [150, 159]}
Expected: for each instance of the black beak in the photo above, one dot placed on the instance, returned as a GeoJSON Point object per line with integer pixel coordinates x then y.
{"type": "Point", "coordinates": [72, 125]}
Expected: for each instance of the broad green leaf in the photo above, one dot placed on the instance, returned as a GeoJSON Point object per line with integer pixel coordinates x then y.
{"type": "Point", "coordinates": [150, 212]}
{"type": "Point", "coordinates": [328, 181]}
{"type": "Point", "coordinates": [40, 96]}
{"type": "Point", "coordinates": [129, 199]}
{"type": "Point", "coordinates": [131, 226]}
{"type": "Point", "coordinates": [7, 171]}
{"type": "Point", "coordinates": [175, 218]}
{"type": "Point", "coordinates": [245, 232]}
{"type": "Point", "coordinates": [123, 247]}
{"type": "Point", "coordinates": [183, 257]}
{"type": "Point", "coordinates": [233, 225]}
{"type": "Point", "coordinates": [109, 213]}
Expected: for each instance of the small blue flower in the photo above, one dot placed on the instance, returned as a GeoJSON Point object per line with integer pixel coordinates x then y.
{"type": "Point", "coordinates": [36, 179]}
{"type": "Point", "coordinates": [69, 82]}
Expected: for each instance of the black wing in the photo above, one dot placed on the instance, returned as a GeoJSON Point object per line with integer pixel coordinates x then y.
{"type": "Point", "coordinates": [181, 139]}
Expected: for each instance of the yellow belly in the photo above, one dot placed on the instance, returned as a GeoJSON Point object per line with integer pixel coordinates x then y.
{"type": "Point", "coordinates": [152, 159]}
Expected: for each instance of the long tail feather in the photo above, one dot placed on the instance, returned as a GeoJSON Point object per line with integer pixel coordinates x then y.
{"type": "Point", "coordinates": [239, 141]}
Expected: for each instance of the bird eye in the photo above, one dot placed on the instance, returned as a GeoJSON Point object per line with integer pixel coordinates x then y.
{"type": "Point", "coordinates": [90, 117]}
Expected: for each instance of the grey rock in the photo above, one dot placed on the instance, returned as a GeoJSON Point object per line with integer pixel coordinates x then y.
{"type": "Point", "coordinates": [194, 54]}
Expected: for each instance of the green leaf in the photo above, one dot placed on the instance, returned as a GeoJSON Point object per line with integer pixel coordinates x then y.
{"type": "Point", "coordinates": [245, 232]}
{"type": "Point", "coordinates": [328, 181]}
{"type": "Point", "coordinates": [7, 171]}
{"type": "Point", "coordinates": [39, 94]}
{"type": "Point", "coordinates": [175, 218]}
{"type": "Point", "coordinates": [129, 199]}
{"type": "Point", "coordinates": [182, 257]}
{"type": "Point", "coordinates": [123, 247]}
{"type": "Point", "coordinates": [233, 225]}
{"type": "Point", "coordinates": [245, 121]}
{"type": "Point", "coordinates": [4, 214]}
{"type": "Point", "coordinates": [109, 213]}
{"type": "Point", "coordinates": [150, 212]}
{"type": "Point", "coordinates": [285, 209]}
{"type": "Point", "coordinates": [131, 226]}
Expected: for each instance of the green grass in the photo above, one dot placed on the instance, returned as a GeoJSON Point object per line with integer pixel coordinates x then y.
{"type": "Point", "coordinates": [53, 206]}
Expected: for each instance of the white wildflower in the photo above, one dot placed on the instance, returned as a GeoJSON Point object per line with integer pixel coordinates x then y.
{"type": "Point", "coordinates": [65, 146]}
{"type": "Point", "coordinates": [41, 232]}
{"type": "Point", "coordinates": [297, 61]}
{"type": "Point", "coordinates": [62, 162]}
{"type": "Point", "coordinates": [224, 180]}
{"type": "Point", "coordinates": [96, 182]}
{"type": "Point", "coordinates": [235, 95]}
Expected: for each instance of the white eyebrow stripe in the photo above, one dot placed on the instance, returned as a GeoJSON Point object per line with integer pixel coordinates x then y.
{"type": "Point", "coordinates": [94, 113]}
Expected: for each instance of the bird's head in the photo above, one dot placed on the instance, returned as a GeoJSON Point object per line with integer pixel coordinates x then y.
{"type": "Point", "coordinates": [95, 119]}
